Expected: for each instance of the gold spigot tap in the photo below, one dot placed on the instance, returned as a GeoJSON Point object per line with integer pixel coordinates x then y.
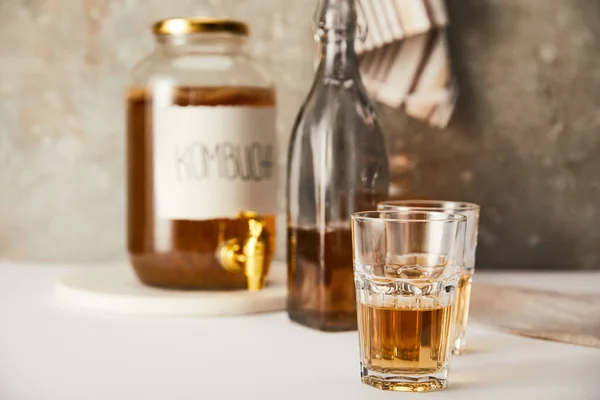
{"type": "Point", "coordinates": [251, 253]}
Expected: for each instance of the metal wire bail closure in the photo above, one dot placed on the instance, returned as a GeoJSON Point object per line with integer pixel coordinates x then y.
{"type": "Point", "coordinates": [320, 29]}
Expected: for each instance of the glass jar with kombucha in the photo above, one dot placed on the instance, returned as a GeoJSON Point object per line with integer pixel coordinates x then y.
{"type": "Point", "coordinates": [201, 159]}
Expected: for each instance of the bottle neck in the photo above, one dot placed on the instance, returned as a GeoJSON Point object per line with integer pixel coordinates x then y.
{"type": "Point", "coordinates": [338, 59]}
{"type": "Point", "coordinates": [337, 30]}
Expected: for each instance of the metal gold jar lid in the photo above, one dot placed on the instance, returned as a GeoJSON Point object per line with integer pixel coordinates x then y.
{"type": "Point", "coordinates": [184, 26]}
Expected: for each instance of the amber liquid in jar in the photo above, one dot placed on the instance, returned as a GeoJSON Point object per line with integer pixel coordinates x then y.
{"type": "Point", "coordinates": [185, 258]}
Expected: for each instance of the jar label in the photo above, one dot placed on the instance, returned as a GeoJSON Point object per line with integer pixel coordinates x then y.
{"type": "Point", "coordinates": [212, 162]}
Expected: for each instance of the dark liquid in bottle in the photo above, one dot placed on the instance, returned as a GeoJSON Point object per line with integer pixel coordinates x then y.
{"type": "Point", "coordinates": [321, 279]}
{"type": "Point", "coordinates": [179, 253]}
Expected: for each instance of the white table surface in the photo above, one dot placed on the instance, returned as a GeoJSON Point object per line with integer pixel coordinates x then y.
{"type": "Point", "coordinates": [48, 351]}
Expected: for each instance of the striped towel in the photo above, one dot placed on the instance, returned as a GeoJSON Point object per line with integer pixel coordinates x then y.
{"type": "Point", "coordinates": [405, 61]}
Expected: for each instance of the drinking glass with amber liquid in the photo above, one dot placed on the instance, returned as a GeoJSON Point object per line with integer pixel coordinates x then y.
{"type": "Point", "coordinates": [407, 267]}
{"type": "Point", "coordinates": [471, 211]}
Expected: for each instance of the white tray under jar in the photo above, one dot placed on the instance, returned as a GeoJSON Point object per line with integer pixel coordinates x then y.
{"type": "Point", "coordinates": [117, 290]}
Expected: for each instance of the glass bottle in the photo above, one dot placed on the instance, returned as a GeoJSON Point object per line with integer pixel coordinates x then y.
{"type": "Point", "coordinates": [337, 165]}
{"type": "Point", "coordinates": [201, 159]}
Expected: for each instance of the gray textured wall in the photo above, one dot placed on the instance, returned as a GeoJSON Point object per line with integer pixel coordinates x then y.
{"type": "Point", "coordinates": [63, 71]}
{"type": "Point", "coordinates": [524, 142]}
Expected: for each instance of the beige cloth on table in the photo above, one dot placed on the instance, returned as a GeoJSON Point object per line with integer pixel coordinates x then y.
{"type": "Point", "coordinates": [567, 318]}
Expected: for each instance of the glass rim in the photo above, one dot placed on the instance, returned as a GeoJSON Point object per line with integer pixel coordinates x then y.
{"type": "Point", "coordinates": [434, 205]}
{"type": "Point", "coordinates": [405, 216]}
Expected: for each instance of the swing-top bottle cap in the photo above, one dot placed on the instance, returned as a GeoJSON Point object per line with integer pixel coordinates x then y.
{"type": "Point", "coordinates": [339, 17]}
